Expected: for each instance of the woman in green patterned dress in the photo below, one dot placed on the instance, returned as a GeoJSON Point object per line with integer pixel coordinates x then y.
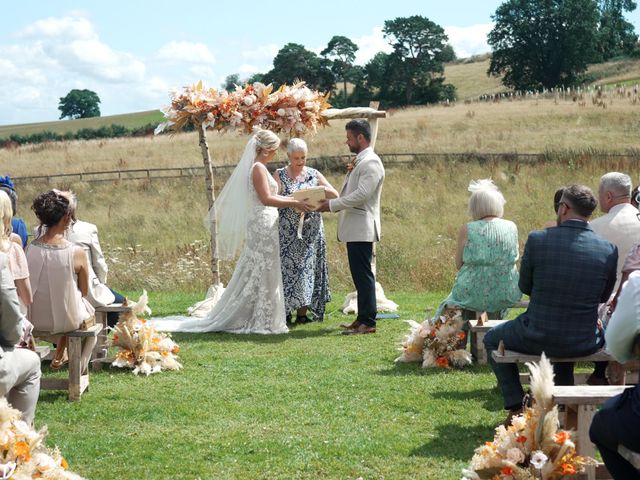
{"type": "Point", "coordinates": [486, 256]}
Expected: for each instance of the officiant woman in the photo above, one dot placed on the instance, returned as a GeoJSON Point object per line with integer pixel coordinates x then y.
{"type": "Point", "coordinates": [305, 276]}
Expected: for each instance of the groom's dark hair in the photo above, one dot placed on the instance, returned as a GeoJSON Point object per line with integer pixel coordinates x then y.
{"type": "Point", "coordinates": [359, 126]}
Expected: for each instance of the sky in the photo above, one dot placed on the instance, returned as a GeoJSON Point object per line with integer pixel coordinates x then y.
{"type": "Point", "coordinates": [132, 52]}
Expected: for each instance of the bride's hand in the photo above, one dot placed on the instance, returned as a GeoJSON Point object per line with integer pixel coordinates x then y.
{"type": "Point", "coordinates": [302, 206]}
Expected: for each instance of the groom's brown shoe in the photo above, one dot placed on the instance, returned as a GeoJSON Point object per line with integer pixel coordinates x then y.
{"type": "Point", "coordinates": [360, 330]}
{"type": "Point", "coordinates": [350, 326]}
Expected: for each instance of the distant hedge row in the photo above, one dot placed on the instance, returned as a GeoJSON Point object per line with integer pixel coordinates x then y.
{"type": "Point", "coordinates": [106, 131]}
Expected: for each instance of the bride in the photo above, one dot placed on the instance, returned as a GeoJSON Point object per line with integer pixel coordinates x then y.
{"type": "Point", "coordinates": [247, 215]}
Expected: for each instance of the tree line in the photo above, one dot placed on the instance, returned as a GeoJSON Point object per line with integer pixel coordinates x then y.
{"type": "Point", "coordinates": [536, 44]}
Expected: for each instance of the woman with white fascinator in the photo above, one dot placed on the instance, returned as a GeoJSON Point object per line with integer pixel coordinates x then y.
{"type": "Point", "coordinates": [486, 256]}
{"type": "Point", "coordinates": [246, 213]}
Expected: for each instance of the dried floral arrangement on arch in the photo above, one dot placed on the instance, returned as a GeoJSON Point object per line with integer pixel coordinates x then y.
{"type": "Point", "coordinates": [294, 110]}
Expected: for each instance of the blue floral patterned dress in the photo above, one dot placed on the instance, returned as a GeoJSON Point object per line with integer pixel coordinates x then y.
{"type": "Point", "coordinates": [305, 276]}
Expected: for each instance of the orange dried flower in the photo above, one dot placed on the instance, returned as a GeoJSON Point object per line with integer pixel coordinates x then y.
{"type": "Point", "coordinates": [175, 350]}
{"type": "Point", "coordinates": [22, 450]}
{"type": "Point", "coordinates": [442, 362]}
{"type": "Point", "coordinates": [63, 463]}
{"type": "Point", "coordinates": [506, 471]}
{"type": "Point", "coordinates": [433, 333]}
{"type": "Point", "coordinates": [521, 439]}
{"type": "Point", "coordinates": [568, 469]}
{"type": "Point", "coordinates": [561, 437]}
{"type": "Point", "coordinates": [461, 335]}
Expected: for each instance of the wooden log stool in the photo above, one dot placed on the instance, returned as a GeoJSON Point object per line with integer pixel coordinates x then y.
{"type": "Point", "coordinates": [78, 380]}
{"type": "Point", "coordinates": [101, 350]}
{"type": "Point", "coordinates": [581, 403]}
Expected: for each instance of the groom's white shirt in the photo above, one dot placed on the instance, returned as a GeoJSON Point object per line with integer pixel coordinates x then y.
{"type": "Point", "coordinates": [359, 201]}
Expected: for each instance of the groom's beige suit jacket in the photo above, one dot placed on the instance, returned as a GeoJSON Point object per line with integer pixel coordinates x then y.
{"type": "Point", "coordinates": [359, 201]}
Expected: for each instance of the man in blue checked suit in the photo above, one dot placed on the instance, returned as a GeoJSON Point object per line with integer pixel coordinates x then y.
{"type": "Point", "coordinates": [567, 271]}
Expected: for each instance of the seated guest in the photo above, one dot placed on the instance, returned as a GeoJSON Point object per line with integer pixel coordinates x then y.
{"type": "Point", "coordinates": [619, 225]}
{"type": "Point", "coordinates": [556, 205]}
{"type": "Point", "coordinates": [19, 367]}
{"type": "Point", "coordinates": [305, 275]}
{"type": "Point", "coordinates": [618, 421]}
{"type": "Point", "coordinates": [17, 224]}
{"type": "Point", "coordinates": [59, 303]}
{"type": "Point", "coordinates": [17, 265]}
{"type": "Point", "coordinates": [85, 235]}
{"type": "Point", "coordinates": [567, 272]}
{"type": "Point", "coordinates": [486, 256]}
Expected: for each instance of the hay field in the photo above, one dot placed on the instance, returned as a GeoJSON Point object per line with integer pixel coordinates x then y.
{"type": "Point", "coordinates": [527, 126]}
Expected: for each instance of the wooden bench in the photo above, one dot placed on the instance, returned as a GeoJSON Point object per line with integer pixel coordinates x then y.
{"type": "Point", "coordinates": [101, 350]}
{"type": "Point", "coordinates": [476, 338]}
{"type": "Point", "coordinates": [78, 380]}
{"type": "Point", "coordinates": [581, 404]}
{"type": "Point", "coordinates": [510, 356]}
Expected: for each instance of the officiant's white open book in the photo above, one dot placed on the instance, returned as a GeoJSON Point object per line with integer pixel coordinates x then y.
{"type": "Point", "coordinates": [312, 195]}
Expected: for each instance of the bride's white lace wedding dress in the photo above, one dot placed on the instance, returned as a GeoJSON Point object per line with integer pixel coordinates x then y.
{"type": "Point", "coordinates": [253, 301]}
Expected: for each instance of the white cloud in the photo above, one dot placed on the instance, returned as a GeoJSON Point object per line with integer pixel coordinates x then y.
{"type": "Point", "coordinates": [72, 26]}
{"type": "Point", "coordinates": [261, 53]}
{"type": "Point", "coordinates": [247, 69]}
{"type": "Point", "coordinates": [202, 72]}
{"type": "Point", "coordinates": [468, 41]}
{"type": "Point", "coordinates": [186, 52]}
{"type": "Point", "coordinates": [369, 45]}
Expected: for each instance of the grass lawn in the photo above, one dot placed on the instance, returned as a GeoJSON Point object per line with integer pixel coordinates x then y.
{"type": "Point", "coordinates": [311, 404]}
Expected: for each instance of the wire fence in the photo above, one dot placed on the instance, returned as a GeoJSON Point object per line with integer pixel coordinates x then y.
{"type": "Point", "coordinates": [329, 163]}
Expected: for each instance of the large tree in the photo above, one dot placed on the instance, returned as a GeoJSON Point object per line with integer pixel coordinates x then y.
{"type": "Point", "coordinates": [342, 51]}
{"type": "Point", "coordinates": [543, 43]}
{"type": "Point", "coordinates": [294, 62]}
{"type": "Point", "coordinates": [419, 50]}
{"type": "Point", "coordinates": [231, 81]}
{"type": "Point", "coordinates": [616, 36]}
{"type": "Point", "coordinates": [79, 104]}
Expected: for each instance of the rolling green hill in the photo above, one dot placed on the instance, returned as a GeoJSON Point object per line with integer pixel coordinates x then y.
{"type": "Point", "coordinates": [468, 76]}
{"type": "Point", "coordinates": [129, 120]}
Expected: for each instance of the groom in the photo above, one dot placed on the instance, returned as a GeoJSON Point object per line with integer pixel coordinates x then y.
{"type": "Point", "coordinates": [359, 221]}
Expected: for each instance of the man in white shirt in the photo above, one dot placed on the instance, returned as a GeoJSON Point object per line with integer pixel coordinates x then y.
{"type": "Point", "coordinates": [620, 225]}
{"type": "Point", "coordinates": [85, 235]}
{"type": "Point", "coordinates": [617, 423]}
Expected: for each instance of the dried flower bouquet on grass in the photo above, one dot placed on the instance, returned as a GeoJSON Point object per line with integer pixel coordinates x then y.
{"type": "Point", "coordinates": [533, 446]}
{"type": "Point", "coordinates": [437, 342]}
{"type": "Point", "coordinates": [23, 454]}
{"type": "Point", "coordinates": [141, 347]}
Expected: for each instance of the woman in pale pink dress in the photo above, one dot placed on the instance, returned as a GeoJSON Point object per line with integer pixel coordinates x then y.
{"type": "Point", "coordinates": [59, 275]}
{"type": "Point", "coordinates": [11, 244]}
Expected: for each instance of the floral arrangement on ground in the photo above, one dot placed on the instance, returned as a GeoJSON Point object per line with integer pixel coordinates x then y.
{"type": "Point", "coordinates": [23, 452]}
{"type": "Point", "coordinates": [437, 342]}
{"type": "Point", "coordinates": [532, 446]}
{"type": "Point", "coordinates": [141, 347]}
{"type": "Point", "coordinates": [294, 110]}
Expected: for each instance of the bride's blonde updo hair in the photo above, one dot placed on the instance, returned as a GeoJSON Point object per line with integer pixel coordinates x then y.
{"type": "Point", "coordinates": [266, 140]}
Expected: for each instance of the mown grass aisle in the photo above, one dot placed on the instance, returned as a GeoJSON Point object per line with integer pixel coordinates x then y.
{"type": "Point", "coordinates": [311, 404]}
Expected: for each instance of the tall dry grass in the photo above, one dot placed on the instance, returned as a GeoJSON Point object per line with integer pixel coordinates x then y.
{"type": "Point", "coordinates": [153, 232]}
{"type": "Point", "coordinates": [154, 236]}
{"type": "Point", "coordinates": [508, 126]}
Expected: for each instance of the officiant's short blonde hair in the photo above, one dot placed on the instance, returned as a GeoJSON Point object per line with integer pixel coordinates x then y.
{"type": "Point", "coordinates": [486, 201]}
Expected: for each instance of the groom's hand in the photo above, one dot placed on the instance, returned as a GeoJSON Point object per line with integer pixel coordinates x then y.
{"type": "Point", "coordinates": [324, 206]}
